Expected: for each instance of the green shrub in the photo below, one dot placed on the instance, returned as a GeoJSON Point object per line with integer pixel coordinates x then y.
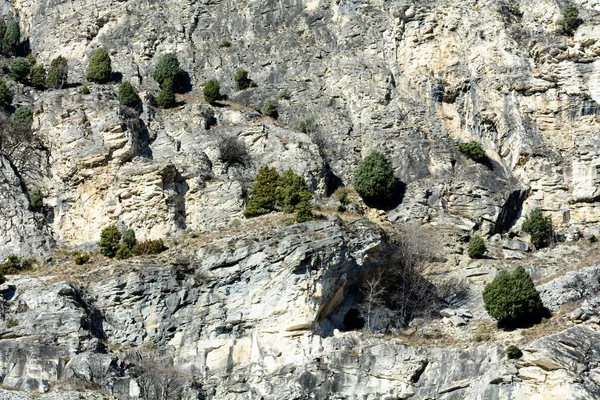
{"type": "Point", "coordinates": [225, 43]}
{"type": "Point", "coordinates": [342, 196]}
{"type": "Point", "coordinates": [23, 116]}
{"type": "Point", "coordinates": [476, 247]}
{"type": "Point", "coordinates": [304, 212]}
{"type": "Point", "coordinates": [264, 193]}
{"type": "Point", "coordinates": [11, 323]}
{"type": "Point", "coordinates": [167, 69]}
{"type": "Point", "coordinates": [570, 21]}
{"type": "Point", "coordinates": [20, 69]}
{"type": "Point", "coordinates": [241, 79]}
{"type": "Point", "coordinates": [166, 97]}
{"type": "Point", "coordinates": [473, 149]}
{"type": "Point", "coordinates": [593, 239]}
{"type": "Point", "coordinates": [129, 238]}
{"type": "Point", "coordinates": [123, 253]}
{"type": "Point", "coordinates": [307, 126]}
{"type": "Point", "coordinates": [2, 30]}
{"type": "Point", "coordinates": [58, 73]}
{"type": "Point", "coordinates": [149, 247]}
{"type": "Point", "coordinates": [36, 198]}
{"type": "Point", "coordinates": [84, 90]}
{"type": "Point", "coordinates": [212, 91]}
{"type": "Point", "coordinates": [99, 69]}
{"type": "Point", "coordinates": [269, 108]}
{"type": "Point", "coordinates": [513, 352]}
{"type": "Point", "coordinates": [14, 265]}
{"type": "Point", "coordinates": [110, 239]}
{"type": "Point", "coordinates": [374, 179]}
{"type": "Point", "coordinates": [232, 151]}
{"type": "Point", "coordinates": [291, 190]}
{"type": "Point", "coordinates": [11, 39]}
{"type": "Point", "coordinates": [539, 227]}
{"type": "Point", "coordinates": [512, 298]}
{"type": "Point", "coordinates": [81, 258]}
{"type": "Point", "coordinates": [31, 58]}
{"type": "Point", "coordinates": [6, 96]}
{"type": "Point", "coordinates": [38, 77]}
{"type": "Point", "coordinates": [128, 96]}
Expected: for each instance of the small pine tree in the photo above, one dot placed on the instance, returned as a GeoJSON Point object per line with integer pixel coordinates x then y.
{"type": "Point", "coordinates": [38, 77]}
{"type": "Point", "coordinates": [291, 190]}
{"type": "Point", "coordinates": [241, 79]}
{"type": "Point", "coordinates": [539, 227]}
{"type": "Point", "coordinates": [304, 213]}
{"type": "Point", "coordinates": [6, 96]}
{"type": "Point", "coordinates": [99, 68]}
{"type": "Point", "coordinates": [110, 239]}
{"type": "Point", "coordinates": [264, 193]}
{"type": "Point", "coordinates": [11, 39]}
{"type": "Point", "coordinates": [22, 117]}
{"type": "Point", "coordinates": [212, 91]}
{"type": "Point", "coordinates": [476, 247]}
{"type": "Point", "coordinates": [374, 179]}
{"type": "Point", "coordinates": [167, 69]}
{"type": "Point", "coordinates": [128, 96]}
{"type": "Point", "coordinates": [123, 253]}
{"type": "Point", "coordinates": [166, 97]}
{"type": "Point", "coordinates": [20, 69]}
{"type": "Point", "coordinates": [2, 30]}
{"type": "Point", "coordinates": [512, 298]}
{"type": "Point", "coordinates": [58, 73]}
{"type": "Point", "coordinates": [513, 352]}
{"type": "Point", "coordinates": [129, 238]}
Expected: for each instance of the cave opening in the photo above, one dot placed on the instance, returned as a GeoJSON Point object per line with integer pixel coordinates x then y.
{"type": "Point", "coordinates": [353, 320]}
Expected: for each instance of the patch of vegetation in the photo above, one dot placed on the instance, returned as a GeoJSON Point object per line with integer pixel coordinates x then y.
{"type": "Point", "coordinates": [342, 195]}
{"type": "Point", "coordinates": [84, 90]}
{"type": "Point", "coordinates": [128, 96]}
{"type": "Point", "coordinates": [20, 69]}
{"type": "Point", "coordinates": [123, 253]}
{"type": "Point", "coordinates": [11, 39]}
{"type": "Point", "coordinates": [233, 151]}
{"type": "Point", "coordinates": [241, 79]}
{"type": "Point", "coordinates": [14, 265]}
{"type": "Point", "coordinates": [225, 43]}
{"type": "Point", "coordinates": [513, 352]}
{"type": "Point", "coordinates": [100, 68]}
{"type": "Point", "coordinates": [307, 126]}
{"type": "Point", "coordinates": [476, 246]}
{"type": "Point", "coordinates": [473, 149]}
{"type": "Point", "coordinates": [2, 31]}
{"type": "Point", "coordinates": [212, 91]}
{"type": "Point", "coordinates": [110, 241]}
{"type": "Point", "coordinates": [58, 73]}
{"type": "Point", "coordinates": [570, 21]}
{"type": "Point", "coordinates": [81, 258]}
{"type": "Point", "coordinates": [36, 200]}
{"type": "Point", "coordinates": [512, 298]}
{"type": "Point", "coordinates": [592, 239]}
{"type": "Point", "coordinates": [6, 96]}
{"type": "Point", "coordinates": [129, 239]}
{"type": "Point", "coordinates": [149, 247]}
{"type": "Point", "coordinates": [272, 192]}
{"type": "Point", "coordinates": [167, 69]}
{"type": "Point", "coordinates": [11, 323]}
{"type": "Point", "coordinates": [38, 77]}
{"type": "Point", "coordinates": [166, 97]}
{"type": "Point", "coordinates": [269, 108]}
{"type": "Point", "coordinates": [374, 179]}
{"type": "Point", "coordinates": [539, 227]}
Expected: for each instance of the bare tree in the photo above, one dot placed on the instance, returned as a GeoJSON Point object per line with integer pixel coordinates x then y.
{"type": "Point", "coordinates": [373, 291]}
{"type": "Point", "coordinates": [158, 378]}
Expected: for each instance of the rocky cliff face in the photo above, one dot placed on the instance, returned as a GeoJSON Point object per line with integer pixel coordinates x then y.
{"type": "Point", "coordinates": [249, 309]}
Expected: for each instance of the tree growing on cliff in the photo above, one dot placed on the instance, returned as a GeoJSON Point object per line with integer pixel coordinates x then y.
{"type": "Point", "coordinates": [128, 96]}
{"type": "Point", "coordinates": [58, 73]}
{"type": "Point", "coordinates": [374, 180]}
{"type": "Point", "coordinates": [20, 69]}
{"type": "Point", "coordinates": [6, 96]}
{"type": "Point", "coordinates": [11, 39]}
{"type": "Point", "coordinates": [570, 21]}
{"type": "Point", "coordinates": [38, 77]}
{"type": "Point", "coordinates": [166, 96]}
{"type": "Point", "coordinates": [512, 298]}
{"type": "Point", "coordinates": [241, 79]}
{"type": "Point", "coordinates": [99, 69]}
{"type": "Point", "coordinates": [539, 227]}
{"type": "Point", "coordinates": [476, 246]}
{"type": "Point", "coordinates": [110, 241]}
{"type": "Point", "coordinates": [473, 149]}
{"type": "Point", "coordinates": [167, 69]}
{"type": "Point", "coordinates": [212, 91]}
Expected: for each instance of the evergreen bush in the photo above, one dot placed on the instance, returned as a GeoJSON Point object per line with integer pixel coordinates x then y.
{"type": "Point", "coordinates": [110, 239]}
{"type": "Point", "coordinates": [38, 77]}
{"type": "Point", "coordinates": [58, 73]}
{"type": "Point", "coordinates": [512, 298]}
{"type": "Point", "coordinates": [128, 96]}
{"type": "Point", "coordinates": [476, 247]}
{"type": "Point", "coordinates": [212, 91]}
{"type": "Point", "coordinates": [99, 69]}
{"type": "Point", "coordinates": [6, 96]}
{"type": "Point", "coordinates": [539, 227]}
{"type": "Point", "coordinates": [36, 198]}
{"type": "Point", "coordinates": [166, 97]}
{"type": "Point", "coordinates": [2, 31]}
{"type": "Point", "coordinates": [167, 69]}
{"type": "Point", "coordinates": [20, 69]}
{"type": "Point", "coordinates": [148, 247]}
{"type": "Point", "coordinates": [241, 79]}
{"type": "Point", "coordinates": [81, 258]}
{"type": "Point", "coordinates": [11, 39]}
{"type": "Point", "coordinates": [264, 193]}
{"type": "Point", "coordinates": [473, 149]}
{"type": "Point", "coordinates": [513, 352]}
{"type": "Point", "coordinates": [84, 90]}
{"type": "Point", "coordinates": [374, 179]}
{"type": "Point", "coordinates": [129, 238]}
{"type": "Point", "coordinates": [570, 21]}
{"type": "Point", "coordinates": [123, 253]}
{"type": "Point", "coordinates": [269, 108]}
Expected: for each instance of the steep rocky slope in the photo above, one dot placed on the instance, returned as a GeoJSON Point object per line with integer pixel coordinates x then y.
{"type": "Point", "coordinates": [249, 309]}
